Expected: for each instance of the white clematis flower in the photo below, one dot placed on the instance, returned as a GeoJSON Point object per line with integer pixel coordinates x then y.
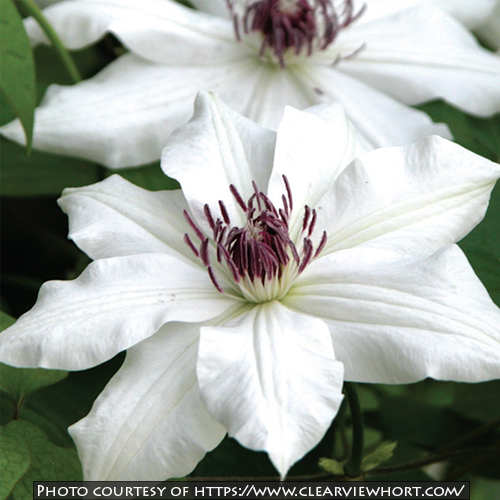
{"type": "Point", "coordinates": [489, 30]}
{"type": "Point", "coordinates": [377, 57]}
{"type": "Point", "coordinates": [281, 269]}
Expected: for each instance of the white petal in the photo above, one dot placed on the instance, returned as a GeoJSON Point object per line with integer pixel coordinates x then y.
{"type": "Point", "coordinates": [415, 199]}
{"type": "Point", "coordinates": [124, 115]}
{"type": "Point", "coordinates": [149, 424]}
{"type": "Point", "coordinates": [114, 218]}
{"type": "Point", "coordinates": [468, 13]}
{"type": "Point", "coordinates": [490, 29]}
{"type": "Point", "coordinates": [379, 120]}
{"type": "Point", "coordinates": [159, 30]}
{"type": "Point", "coordinates": [215, 7]}
{"type": "Point", "coordinates": [265, 89]}
{"type": "Point", "coordinates": [207, 155]}
{"type": "Point", "coordinates": [397, 320]}
{"type": "Point", "coordinates": [310, 152]}
{"type": "Point", "coordinates": [271, 378]}
{"type": "Point", "coordinates": [114, 304]}
{"type": "Point", "coordinates": [423, 54]}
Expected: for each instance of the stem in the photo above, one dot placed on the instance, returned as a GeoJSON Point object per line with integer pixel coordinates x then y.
{"type": "Point", "coordinates": [33, 10]}
{"type": "Point", "coordinates": [353, 465]}
{"type": "Point", "coordinates": [431, 460]}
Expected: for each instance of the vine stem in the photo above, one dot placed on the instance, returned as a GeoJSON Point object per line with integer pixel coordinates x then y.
{"type": "Point", "coordinates": [353, 464]}
{"type": "Point", "coordinates": [33, 10]}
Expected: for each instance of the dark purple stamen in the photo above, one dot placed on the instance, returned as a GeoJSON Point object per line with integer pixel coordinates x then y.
{"type": "Point", "coordinates": [321, 245]}
{"type": "Point", "coordinates": [208, 216]}
{"type": "Point", "coordinates": [293, 24]}
{"type": "Point", "coordinates": [196, 229]}
{"type": "Point", "coordinates": [224, 213]}
{"type": "Point", "coordinates": [262, 248]}
{"type": "Point", "coordinates": [190, 244]}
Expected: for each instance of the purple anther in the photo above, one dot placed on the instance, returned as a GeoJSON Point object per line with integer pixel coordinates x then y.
{"type": "Point", "coordinates": [288, 192]}
{"type": "Point", "coordinates": [214, 280]}
{"type": "Point", "coordinates": [193, 225]}
{"type": "Point", "coordinates": [285, 205]}
{"type": "Point", "coordinates": [321, 245]}
{"type": "Point", "coordinates": [208, 216]}
{"type": "Point", "coordinates": [238, 197]}
{"type": "Point", "coordinates": [189, 243]}
{"type": "Point", "coordinates": [312, 223]}
{"type": "Point", "coordinates": [307, 214]}
{"type": "Point", "coordinates": [224, 213]}
{"type": "Point", "coordinates": [307, 254]}
{"type": "Point", "coordinates": [204, 253]}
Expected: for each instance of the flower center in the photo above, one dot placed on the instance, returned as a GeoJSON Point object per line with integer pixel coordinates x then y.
{"type": "Point", "coordinates": [260, 258]}
{"type": "Point", "coordinates": [293, 24]}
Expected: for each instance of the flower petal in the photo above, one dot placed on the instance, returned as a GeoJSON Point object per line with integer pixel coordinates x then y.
{"type": "Point", "coordinates": [414, 199]}
{"type": "Point", "coordinates": [271, 378]}
{"type": "Point", "coordinates": [114, 218]}
{"type": "Point", "coordinates": [311, 152]}
{"type": "Point", "coordinates": [149, 424]}
{"type": "Point", "coordinates": [158, 30]}
{"type": "Point", "coordinates": [114, 304]}
{"type": "Point", "coordinates": [123, 116]}
{"type": "Point", "coordinates": [207, 155]}
{"type": "Point", "coordinates": [490, 29]}
{"type": "Point", "coordinates": [413, 70]}
{"type": "Point", "coordinates": [470, 14]}
{"type": "Point", "coordinates": [397, 320]}
{"type": "Point", "coordinates": [215, 7]}
{"type": "Point", "coordinates": [372, 112]}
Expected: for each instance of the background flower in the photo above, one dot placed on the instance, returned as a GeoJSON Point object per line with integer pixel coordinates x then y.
{"type": "Point", "coordinates": [387, 297]}
{"type": "Point", "coordinates": [490, 29]}
{"type": "Point", "coordinates": [376, 67]}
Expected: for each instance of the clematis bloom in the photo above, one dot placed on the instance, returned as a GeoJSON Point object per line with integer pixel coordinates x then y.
{"type": "Point", "coordinates": [376, 57]}
{"type": "Point", "coordinates": [283, 267]}
{"type": "Point", "coordinates": [489, 30]}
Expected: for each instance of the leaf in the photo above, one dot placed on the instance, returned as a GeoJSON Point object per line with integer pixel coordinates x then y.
{"type": "Point", "coordinates": [331, 466]}
{"type": "Point", "coordinates": [150, 177]}
{"type": "Point", "coordinates": [484, 489]}
{"type": "Point", "coordinates": [480, 135]}
{"type": "Point", "coordinates": [478, 401]}
{"type": "Point", "coordinates": [487, 267]}
{"type": "Point", "coordinates": [420, 424]}
{"type": "Point", "coordinates": [5, 321]}
{"type": "Point", "coordinates": [54, 408]}
{"type": "Point", "coordinates": [19, 382]}
{"type": "Point", "coordinates": [383, 452]}
{"type": "Point", "coordinates": [47, 462]}
{"type": "Point", "coordinates": [17, 82]}
{"type": "Point", "coordinates": [14, 460]}
{"type": "Point", "coordinates": [41, 174]}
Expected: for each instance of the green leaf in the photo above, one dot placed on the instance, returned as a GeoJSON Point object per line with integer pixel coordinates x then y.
{"type": "Point", "coordinates": [32, 9]}
{"type": "Point", "coordinates": [5, 321]}
{"type": "Point", "coordinates": [484, 489]}
{"type": "Point", "coordinates": [54, 408]}
{"type": "Point", "coordinates": [17, 82]}
{"type": "Point", "coordinates": [419, 424]}
{"type": "Point", "coordinates": [41, 173]}
{"type": "Point", "coordinates": [19, 382]}
{"type": "Point", "coordinates": [331, 466]}
{"type": "Point", "coordinates": [150, 177]}
{"type": "Point", "coordinates": [14, 459]}
{"type": "Point", "coordinates": [487, 267]}
{"type": "Point", "coordinates": [46, 462]}
{"type": "Point", "coordinates": [478, 401]}
{"type": "Point", "coordinates": [480, 135]}
{"type": "Point", "coordinates": [383, 452]}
